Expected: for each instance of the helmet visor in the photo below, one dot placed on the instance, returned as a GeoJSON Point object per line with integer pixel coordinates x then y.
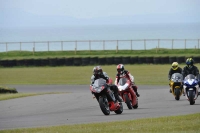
{"type": "Point", "coordinates": [99, 72]}
{"type": "Point", "coordinates": [188, 63]}
{"type": "Point", "coordinates": [119, 70]}
{"type": "Point", "coordinates": [174, 67]}
{"type": "Point", "coordinates": [189, 66]}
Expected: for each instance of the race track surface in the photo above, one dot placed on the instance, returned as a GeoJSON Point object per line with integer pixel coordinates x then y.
{"type": "Point", "coordinates": [78, 106]}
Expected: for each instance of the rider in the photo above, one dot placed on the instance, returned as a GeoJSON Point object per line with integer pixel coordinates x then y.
{"type": "Point", "coordinates": [190, 68]}
{"type": "Point", "coordinates": [122, 72]}
{"type": "Point", "coordinates": [175, 69]}
{"type": "Point", "coordinates": [98, 73]}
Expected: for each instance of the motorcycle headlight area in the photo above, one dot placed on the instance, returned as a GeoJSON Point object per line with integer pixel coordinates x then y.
{"type": "Point", "coordinates": [124, 87]}
{"type": "Point", "coordinates": [191, 82]}
{"type": "Point", "coordinates": [97, 89]}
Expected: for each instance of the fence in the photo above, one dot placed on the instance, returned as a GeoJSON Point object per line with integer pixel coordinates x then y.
{"type": "Point", "coordinates": [140, 44]}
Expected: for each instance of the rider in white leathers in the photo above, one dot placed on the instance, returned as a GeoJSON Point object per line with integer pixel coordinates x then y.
{"type": "Point", "coordinates": [121, 72]}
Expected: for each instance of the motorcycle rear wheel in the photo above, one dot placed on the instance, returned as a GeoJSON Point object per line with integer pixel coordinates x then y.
{"type": "Point", "coordinates": [135, 106]}
{"type": "Point", "coordinates": [120, 110]}
{"type": "Point", "coordinates": [104, 105]}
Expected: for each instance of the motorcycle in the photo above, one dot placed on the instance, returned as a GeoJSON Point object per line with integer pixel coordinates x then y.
{"type": "Point", "coordinates": [191, 88]}
{"type": "Point", "coordinates": [129, 97]}
{"type": "Point", "coordinates": [176, 83]}
{"type": "Point", "coordinates": [106, 101]}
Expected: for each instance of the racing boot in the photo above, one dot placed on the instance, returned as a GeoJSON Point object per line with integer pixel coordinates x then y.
{"type": "Point", "coordinates": [170, 91]}
{"type": "Point", "coordinates": [116, 93]}
{"type": "Point", "coordinates": [138, 95]}
{"type": "Point", "coordinates": [182, 89]}
{"type": "Point", "coordinates": [135, 89]}
{"type": "Point", "coordinates": [118, 97]}
{"type": "Point", "coordinates": [183, 93]}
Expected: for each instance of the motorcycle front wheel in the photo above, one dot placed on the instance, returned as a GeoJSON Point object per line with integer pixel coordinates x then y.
{"type": "Point", "coordinates": [128, 101]}
{"type": "Point", "coordinates": [177, 93]}
{"type": "Point", "coordinates": [191, 97]}
{"type": "Point", "coordinates": [104, 105]}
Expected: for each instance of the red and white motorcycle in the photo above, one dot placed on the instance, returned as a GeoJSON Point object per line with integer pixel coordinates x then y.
{"type": "Point", "coordinates": [128, 95]}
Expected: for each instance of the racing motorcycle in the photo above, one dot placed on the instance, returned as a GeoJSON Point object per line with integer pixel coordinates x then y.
{"type": "Point", "coordinates": [191, 88]}
{"type": "Point", "coordinates": [105, 99]}
{"type": "Point", "coordinates": [176, 83]}
{"type": "Point", "coordinates": [129, 97]}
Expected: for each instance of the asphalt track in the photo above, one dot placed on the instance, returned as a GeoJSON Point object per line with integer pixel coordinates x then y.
{"type": "Point", "coordinates": [78, 106]}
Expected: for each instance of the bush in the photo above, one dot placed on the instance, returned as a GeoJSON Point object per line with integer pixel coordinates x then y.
{"type": "Point", "coordinates": [7, 90]}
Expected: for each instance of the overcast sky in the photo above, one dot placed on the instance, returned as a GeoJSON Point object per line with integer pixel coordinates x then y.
{"type": "Point", "coordinates": [58, 13]}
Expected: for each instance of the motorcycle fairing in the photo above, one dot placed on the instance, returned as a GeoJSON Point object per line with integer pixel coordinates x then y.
{"type": "Point", "coordinates": [98, 86]}
{"type": "Point", "coordinates": [123, 84]}
{"type": "Point", "coordinates": [191, 83]}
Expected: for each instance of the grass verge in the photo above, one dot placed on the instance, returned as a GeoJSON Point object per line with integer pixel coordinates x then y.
{"type": "Point", "coordinates": [170, 124]}
{"type": "Point", "coordinates": [99, 53]}
{"type": "Point", "coordinates": [144, 74]}
{"type": "Point", "coordinates": [19, 95]}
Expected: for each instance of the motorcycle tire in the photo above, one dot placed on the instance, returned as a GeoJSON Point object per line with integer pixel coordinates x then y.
{"type": "Point", "coordinates": [128, 101]}
{"type": "Point", "coordinates": [120, 110]}
{"type": "Point", "coordinates": [191, 97]}
{"type": "Point", "coordinates": [135, 106]}
{"type": "Point", "coordinates": [177, 94]}
{"type": "Point", "coordinates": [104, 105]}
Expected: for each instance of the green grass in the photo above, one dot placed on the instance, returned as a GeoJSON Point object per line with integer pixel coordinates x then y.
{"type": "Point", "coordinates": [170, 124]}
{"type": "Point", "coordinates": [19, 95]}
{"type": "Point", "coordinates": [99, 53]}
{"type": "Point", "coordinates": [145, 74]}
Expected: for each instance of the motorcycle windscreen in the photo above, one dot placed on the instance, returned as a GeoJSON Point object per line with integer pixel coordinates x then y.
{"type": "Point", "coordinates": [189, 76]}
{"type": "Point", "coordinates": [99, 83]}
{"type": "Point", "coordinates": [122, 81]}
{"type": "Point", "coordinates": [190, 80]}
{"type": "Point", "coordinates": [123, 84]}
{"type": "Point", "coordinates": [177, 77]}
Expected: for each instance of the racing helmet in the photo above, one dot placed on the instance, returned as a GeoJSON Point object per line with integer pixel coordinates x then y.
{"type": "Point", "coordinates": [120, 68]}
{"type": "Point", "coordinates": [189, 62]}
{"type": "Point", "coordinates": [97, 70]}
{"type": "Point", "coordinates": [175, 65]}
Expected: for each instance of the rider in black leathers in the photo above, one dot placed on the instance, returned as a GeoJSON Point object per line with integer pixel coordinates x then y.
{"type": "Point", "coordinates": [98, 73]}
{"type": "Point", "coordinates": [174, 69]}
{"type": "Point", "coordinates": [190, 68]}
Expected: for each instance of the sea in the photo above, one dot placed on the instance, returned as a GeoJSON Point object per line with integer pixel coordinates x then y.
{"type": "Point", "coordinates": [101, 37]}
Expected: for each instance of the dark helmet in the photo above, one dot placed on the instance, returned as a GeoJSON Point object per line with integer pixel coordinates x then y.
{"type": "Point", "coordinates": [120, 68]}
{"type": "Point", "coordinates": [189, 62]}
{"type": "Point", "coordinates": [97, 70]}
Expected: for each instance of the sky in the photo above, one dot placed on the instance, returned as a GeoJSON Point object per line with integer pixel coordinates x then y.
{"type": "Point", "coordinates": [64, 13]}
